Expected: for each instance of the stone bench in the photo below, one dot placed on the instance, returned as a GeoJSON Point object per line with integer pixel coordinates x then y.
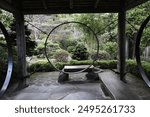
{"type": "Point", "coordinates": [115, 88]}
{"type": "Point", "coordinates": [75, 68]}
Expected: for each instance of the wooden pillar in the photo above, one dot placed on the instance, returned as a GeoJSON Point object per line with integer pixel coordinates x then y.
{"type": "Point", "coordinates": [122, 40]}
{"type": "Point", "coordinates": [21, 47]}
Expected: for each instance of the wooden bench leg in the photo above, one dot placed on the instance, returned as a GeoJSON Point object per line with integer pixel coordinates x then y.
{"type": "Point", "coordinates": [92, 76]}
{"type": "Point", "coordinates": [63, 77]}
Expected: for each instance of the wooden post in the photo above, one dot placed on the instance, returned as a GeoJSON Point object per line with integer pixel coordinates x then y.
{"type": "Point", "coordinates": [21, 48]}
{"type": "Point", "coordinates": [122, 40]}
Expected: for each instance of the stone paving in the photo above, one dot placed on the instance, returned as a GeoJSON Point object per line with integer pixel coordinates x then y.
{"type": "Point", "coordinates": [44, 86]}
{"type": "Point", "coordinates": [138, 86]}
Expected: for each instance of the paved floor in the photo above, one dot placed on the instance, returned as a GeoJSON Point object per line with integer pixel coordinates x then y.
{"type": "Point", "coordinates": [138, 86]}
{"type": "Point", "coordinates": [44, 86]}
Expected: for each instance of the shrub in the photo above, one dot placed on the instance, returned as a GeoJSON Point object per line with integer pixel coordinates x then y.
{"type": "Point", "coordinates": [41, 66]}
{"type": "Point", "coordinates": [60, 65]}
{"type": "Point", "coordinates": [61, 56]}
{"type": "Point", "coordinates": [102, 55]}
{"type": "Point", "coordinates": [84, 62]}
{"type": "Point", "coordinates": [65, 43]}
{"type": "Point", "coordinates": [103, 64]}
{"type": "Point", "coordinates": [40, 51]}
{"type": "Point", "coordinates": [111, 48]}
{"type": "Point", "coordinates": [51, 49]}
{"type": "Point", "coordinates": [132, 68]}
{"type": "Point", "coordinates": [44, 66]}
{"type": "Point", "coordinates": [80, 52]}
{"type": "Point", "coordinates": [70, 49]}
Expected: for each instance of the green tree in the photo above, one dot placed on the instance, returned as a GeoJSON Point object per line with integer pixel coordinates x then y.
{"type": "Point", "coordinates": [80, 52]}
{"type": "Point", "coordinates": [30, 44]}
{"type": "Point", "coordinates": [6, 18]}
{"type": "Point", "coordinates": [135, 17]}
{"type": "Point", "coordinates": [95, 22]}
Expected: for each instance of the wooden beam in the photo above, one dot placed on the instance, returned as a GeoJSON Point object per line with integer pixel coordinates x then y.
{"type": "Point", "coordinates": [96, 4]}
{"type": "Point", "coordinates": [21, 46]}
{"type": "Point", "coordinates": [6, 6]}
{"type": "Point", "coordinates": [71, 4]}
{"type": "Point", "coordinates": [68, 10]}
{"type": "Point", "coordinates": [122, 40]}
{"type": "Point", "coordinates": [134, 3]}
{"type": "Point", "coordinates": [44, 4]}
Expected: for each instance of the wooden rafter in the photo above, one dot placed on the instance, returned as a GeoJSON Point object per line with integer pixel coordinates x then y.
{"type": "Point", "coordinates": [132, 3]}
{"type": "Point", "coordinates": [96, 3]}
{"type": "Point", "coordinates": [68, 10]}
{"type": "Point", "coordinates": [71, 4]}
{"type": "Point", "coordinates": [44, 4]}
{"type": "Point", "coordinates": [6, 6]}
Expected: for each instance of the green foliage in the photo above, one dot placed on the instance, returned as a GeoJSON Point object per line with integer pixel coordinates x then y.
{"type": "Point", "coordinates": [136, 16]}
{"type": "Point", "coordinates": [132, 68]}
{"type": "Point", "coordinates": [97, 22]}
{"type": "Point", "coordinates": [30, 44]}
{"type": "Point", "coordinates": [94, 21]}
{"type": "Point", "coordinates": [70, 49]}
{"type": "Point", "coordinates": [83, 62]}
{"type": "Point", "coordinates": [110, 24]}
{"type": "Point", "coordinates": [60, 65]}
{"type": "Point", "coordinates": [6, 18]}
{"type": "Point", "coordinates": [102, 55]}
{"type": "Point", "coordinates": [39, 51]}
{"type": "Point", "coordinates": [51, 49]}
{"type": "Point", "coordinates": [111, 48]}
{"type": "Point", "coordinates": [3, 63]}
{"type": "Point", "coordinates": [65, 43]}
{"type": "Point", "coordinates": [41, 66]}
{"type": "Point", "coordinates": [146, 66]}
{"type": "Point", "coordinates": [80, 52]}
{"type": "Point", "coordinates": [61, 56]}
{"type": "Point", "coordinates": [3, 49]}
{"type": "Point", "coordinates": [44, 66]}
{"type": "Point", "coordinates": [103, 64]}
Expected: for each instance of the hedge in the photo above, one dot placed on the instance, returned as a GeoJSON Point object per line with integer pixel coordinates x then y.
{"type": "Point", "coordinates": [44, 66]}
{"type": "Point", "coordinates": [40, 66]}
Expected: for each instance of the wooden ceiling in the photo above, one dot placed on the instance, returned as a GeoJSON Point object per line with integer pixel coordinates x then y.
{"type": "Point", "coordinates": [67, 6]}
